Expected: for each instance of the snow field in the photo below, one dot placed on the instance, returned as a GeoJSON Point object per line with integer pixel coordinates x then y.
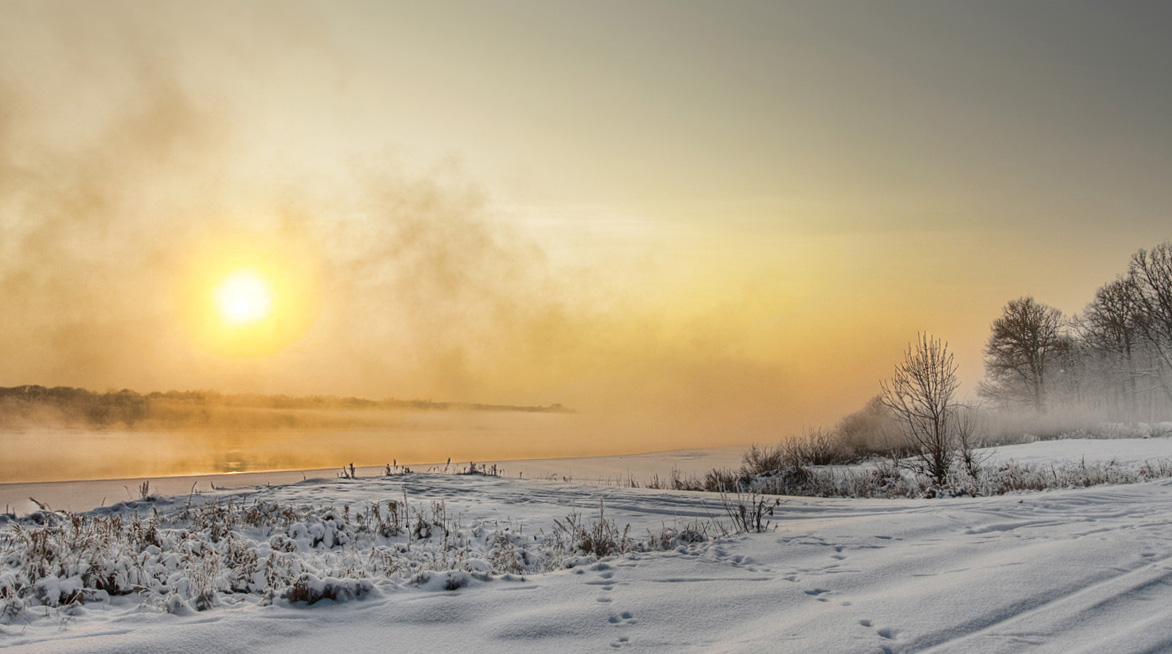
{"type": "Point", "coordinates": [1079, 570]}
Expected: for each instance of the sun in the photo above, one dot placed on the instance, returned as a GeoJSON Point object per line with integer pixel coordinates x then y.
{"type": "Point", "coordinates": [248, 294]}
{"type": "Point", "coordinates": [243, 298]}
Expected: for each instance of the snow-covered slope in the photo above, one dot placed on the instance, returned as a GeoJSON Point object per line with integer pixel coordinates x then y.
{"type": "Point", "coordinates": [1066, 571]}
{"type": "Point", "coordinates": [1122, 451]}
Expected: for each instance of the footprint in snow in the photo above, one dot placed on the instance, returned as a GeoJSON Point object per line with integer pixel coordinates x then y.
{"type": "Point", "coordinates": [606, 578]}
{"type": "Point", "coordinates": [605, 581]}
{"type": "Point", "coordinates": [888, 633]}
{"type": "Point", "coordinates": [622, 619]}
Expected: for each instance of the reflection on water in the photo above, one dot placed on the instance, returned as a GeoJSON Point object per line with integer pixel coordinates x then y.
{"type": "Point", "coordinates": [232, 461]}
{"type": "Point", "coordinates": [408, 437]}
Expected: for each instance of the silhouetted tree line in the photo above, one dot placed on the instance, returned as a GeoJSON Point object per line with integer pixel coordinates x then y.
{"type": "Point", "coordinates": [254, 400]}
{"type": "Point", "coordinates": [76, 405]}
{"type": "Point", "coordinates": [81, 406]}
{"type": "Point", "coordinates": [1114, 358]}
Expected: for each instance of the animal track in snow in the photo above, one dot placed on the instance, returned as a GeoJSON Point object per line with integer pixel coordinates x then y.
{"type": "Point", "coordinates": [622, 619]}
{"type": "Point", "coordinates": [888, 633]}
{"type": "Point", "coordinates": [605, 581]}
{"type": "Point", "coordinates": [816, 592]}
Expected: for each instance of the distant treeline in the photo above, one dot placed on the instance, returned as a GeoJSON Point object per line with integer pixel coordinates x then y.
{"type": "Point", "coordinates": [256, 400]}
{"type": "Point", "coordinates": [38, 404]}
{"type": "Point", "coordinates": [1115, 358]}
{"type": "Point", "coordinates": [78, 406]}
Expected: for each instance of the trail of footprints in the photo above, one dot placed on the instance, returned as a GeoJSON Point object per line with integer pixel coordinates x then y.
{"type": "Point", "coordinates": [606, 584]}
{"type": "Point", "coordinates": [623, 619]}
{"type": "Point", "coordinates": [888, 634]}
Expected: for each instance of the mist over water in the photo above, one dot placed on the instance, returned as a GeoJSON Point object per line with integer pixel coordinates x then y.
{"type": "Point", "coordinates": [112, 194]}
{"type": "Point", "coordinates": [46, 454]}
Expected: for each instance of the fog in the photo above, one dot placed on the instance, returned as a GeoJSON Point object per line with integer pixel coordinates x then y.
{"type": "Point", "coordinates": [66, 433]}
{"type": "Point", "coordinates": [553, 207]}
{"type": "Point", "coordinates": [124, 162]}
{"type": "Point", "coordinates": [408, 438]}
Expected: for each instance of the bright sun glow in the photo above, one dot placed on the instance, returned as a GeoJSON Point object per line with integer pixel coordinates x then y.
{"type": "Point", "coordinates": [248, 295]}
{"type": "Point", "coordinates": [244, 298]}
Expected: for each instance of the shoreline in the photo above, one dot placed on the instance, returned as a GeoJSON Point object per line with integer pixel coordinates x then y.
{"type": "Point", "coordinates": [87, 494]}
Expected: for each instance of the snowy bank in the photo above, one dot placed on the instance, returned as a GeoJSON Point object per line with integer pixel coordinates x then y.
{"type": "Point", "coordinates": [1069, 570]}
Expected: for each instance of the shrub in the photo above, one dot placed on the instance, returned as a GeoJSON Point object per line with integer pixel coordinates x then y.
{"type": "Point", "coordinates": [312, 589]}
{"type": "Point", "coordinates": [749, 513]}
{"type": "Point", "coordinates": [600, 538]}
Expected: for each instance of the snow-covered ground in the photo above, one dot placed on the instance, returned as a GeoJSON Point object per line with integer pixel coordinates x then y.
{"type": "Point", "coordinates": [1122, 451]}
{"type": "Point", "coordinates": [1086, 570]}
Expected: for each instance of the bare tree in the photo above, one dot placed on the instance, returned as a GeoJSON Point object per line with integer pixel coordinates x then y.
{"type": "Point", "coordinates": [1110, 332]}
{"type": "Point", "coordinates": [966, 425]}
{"type": "Point", "coordinates": [1026, 343]}
{"type": "Point", "coordinates": [1151, 275]}
{"type": "Point", "coordinates": [920, 393]}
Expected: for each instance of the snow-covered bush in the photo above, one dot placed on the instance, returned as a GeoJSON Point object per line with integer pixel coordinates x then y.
{"type": "Point", "coordinates": [311, 589]}
{"type": "Point", "coordinates": [600, 537]}
{"type": "Point", "coordinates": [188, 558]}
{"type": "Point", "coordinates": [886, 478]}
{"type": "Point", "coordinates": [750, 513]}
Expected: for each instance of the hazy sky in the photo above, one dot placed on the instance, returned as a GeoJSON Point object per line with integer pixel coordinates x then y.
{"type": "Point", "coordinates": [725, 217]}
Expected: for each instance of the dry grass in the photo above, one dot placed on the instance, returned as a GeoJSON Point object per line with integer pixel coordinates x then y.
{"type": "Point", "coordinates": [186, 558]}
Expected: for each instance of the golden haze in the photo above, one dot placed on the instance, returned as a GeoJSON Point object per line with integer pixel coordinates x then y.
{"type": "Point", "coordinates": [696, 225]}
{"type": "Point", "coordinates": [248, 294]}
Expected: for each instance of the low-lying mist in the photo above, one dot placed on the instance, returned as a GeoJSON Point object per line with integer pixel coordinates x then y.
{"type": "Point", "coordinates": [406, 438]}
{"type": "Point", "coordinates": [120, 174]}
{"type": "Point", "coordinates": [57, 434]}
{"type": "Point", "coordinates": [37, 407]}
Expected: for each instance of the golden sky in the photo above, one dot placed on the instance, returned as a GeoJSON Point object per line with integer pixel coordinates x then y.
{"type": "Point", "coordinates": [715, 221]}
